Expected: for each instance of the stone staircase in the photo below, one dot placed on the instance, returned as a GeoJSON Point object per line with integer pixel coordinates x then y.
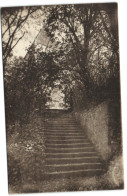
{"type": "Point", "coordinates": [69, 153]}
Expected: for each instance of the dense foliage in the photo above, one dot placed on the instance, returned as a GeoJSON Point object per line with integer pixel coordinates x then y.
{"type": "Point", "coordinates": [88, 46]}
{"type": "Point", "coordinates": [82, 57]}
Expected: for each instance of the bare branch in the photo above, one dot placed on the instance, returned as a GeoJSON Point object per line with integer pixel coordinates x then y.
{"type": "Point", "coordinates": [20, 20]}
{"type": "Point", "coordinates": [18, 41]}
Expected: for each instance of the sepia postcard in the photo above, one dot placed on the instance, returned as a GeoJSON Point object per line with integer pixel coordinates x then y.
{"type": "Point", "coordinates": [62, 97]}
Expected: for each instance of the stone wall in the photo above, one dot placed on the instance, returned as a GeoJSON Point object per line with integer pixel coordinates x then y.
{"type": "Point", "coordinates": [95, 122]}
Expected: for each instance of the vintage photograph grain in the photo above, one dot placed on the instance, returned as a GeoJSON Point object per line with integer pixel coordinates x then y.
{"type": "Point", "coordinates": [62, 98]}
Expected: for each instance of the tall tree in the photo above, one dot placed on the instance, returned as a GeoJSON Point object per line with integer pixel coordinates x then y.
{"type": "Point", "coordinates": [79, 32]}
{"type": "Point", "coordinates": [71, 24]}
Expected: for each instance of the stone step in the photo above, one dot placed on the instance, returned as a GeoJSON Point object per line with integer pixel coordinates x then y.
{"type": "Point", "coordinates": [76, 173]}
{"type": "Point", "coordinates": [64, 141]}
{"type": "Point", "coordinates": [76, 145]}
{"type": "Point", "coordinates": [70, 154]}
{"type": "Point", "coordinates": [69, 150]}
{"type": "Point", "coordinates": [64, 134]}
{"type": "Point", "coordinates": [63, 129]}
{"type": "Point", "coordinates": [62, 125]}
{"type": "Point", "coordinates": [89, 159]}
{"type": "Point", "coordinates": [61, 121]}
{"type": "Point", "coordinates": [67, 119]}
{"type": "Point", "coordinates": [75, 132]}
{"type": "Point", "coordinates": [73, 167]}
{"type": "Point", "coordinates": [55, 137]}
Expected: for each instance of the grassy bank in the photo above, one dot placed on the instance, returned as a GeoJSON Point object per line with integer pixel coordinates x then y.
{"type": "Point", "coordinates": [26, 152]}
